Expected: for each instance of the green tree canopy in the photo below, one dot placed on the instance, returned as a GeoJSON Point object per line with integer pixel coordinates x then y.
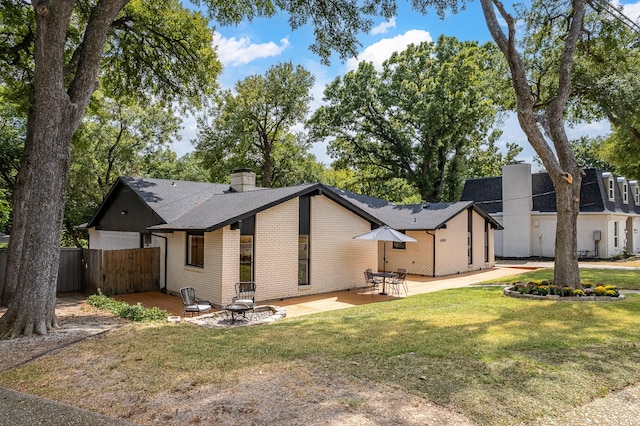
{"type": "Point", "coordinates": [252, 128]}
{"type": "Point", "coordinates": [419, 119]}
{"type": "Point", "coordinates": [607, 86]}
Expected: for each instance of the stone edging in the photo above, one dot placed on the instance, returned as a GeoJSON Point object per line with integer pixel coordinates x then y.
{"type": "Point", "coordinates": [277, 313]}
{"type": "Point", "coordinates": [516, 294]}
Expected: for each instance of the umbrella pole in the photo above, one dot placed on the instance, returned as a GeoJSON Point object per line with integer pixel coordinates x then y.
{"type": "Point", "coordinates": [384, 257]}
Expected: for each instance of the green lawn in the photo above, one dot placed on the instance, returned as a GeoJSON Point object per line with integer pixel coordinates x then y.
{"type": "Point", "coordinates": [622, 278]}
{"type": "Point", "coordinates": [497, 360]}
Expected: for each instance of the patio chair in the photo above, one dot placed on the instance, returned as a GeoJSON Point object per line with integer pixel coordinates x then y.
{"type": "Point", "coordinates": [400, 280]}
{"type": "Point", "coordinates": [245, 294]}
{"type": "Point", "coordinates": [372, 282]}
{"type": "Point", "coordinates": [192, 304]}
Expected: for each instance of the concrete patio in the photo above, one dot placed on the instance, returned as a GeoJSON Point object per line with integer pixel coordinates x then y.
{"type": "Point", "coordinates": [305, 305]}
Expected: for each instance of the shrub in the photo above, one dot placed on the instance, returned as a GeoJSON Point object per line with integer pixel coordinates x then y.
{"type": "Point", "coordinates": [132, 313]}
{"type": "Point", "coordinates": [600, 290]}
{"type": "Point", "coordinates": [542, 289]}
{"type": "Point", "coordinates": [566, 291]}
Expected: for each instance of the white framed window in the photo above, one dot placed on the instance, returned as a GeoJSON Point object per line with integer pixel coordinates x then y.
{"type": "Point", "coordinates": [637, 194]}
{"type": "Point", "coordinates": [611, 190]}
{"type": "Point", "coordinates": [625, 193]}
{"type": "Point", "coordinates": [616, 234]}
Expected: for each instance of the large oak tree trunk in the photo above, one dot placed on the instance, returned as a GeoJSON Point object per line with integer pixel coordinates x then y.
{"type": "Point", "coordinates": [41, 187]}
{"type": "Point", "coordinates": [562, 165]}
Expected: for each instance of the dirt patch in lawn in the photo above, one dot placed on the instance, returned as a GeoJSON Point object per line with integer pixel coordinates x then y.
{"type": "Point", "coordinates": [296, 395]}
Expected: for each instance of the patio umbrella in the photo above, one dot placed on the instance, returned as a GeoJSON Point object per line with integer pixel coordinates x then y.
{"type": "Point", "coordinates": [385, 233]}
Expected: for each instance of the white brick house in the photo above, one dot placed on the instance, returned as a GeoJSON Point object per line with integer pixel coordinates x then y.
{"type": "Point", "coordinates": [290, 241]}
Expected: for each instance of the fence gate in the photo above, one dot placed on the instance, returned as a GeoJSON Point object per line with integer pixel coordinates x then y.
{"type": "Point", "coordinates": [122, 271]}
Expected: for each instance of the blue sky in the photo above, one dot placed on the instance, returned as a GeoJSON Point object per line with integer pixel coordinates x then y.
{"type": "Point", "coordinates": [252, 47]}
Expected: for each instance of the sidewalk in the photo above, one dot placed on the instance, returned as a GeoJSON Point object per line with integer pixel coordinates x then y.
{"type": "Point", "coordinates": [417, 285]}
{"type": "Point", "coordinates": [17, 408]}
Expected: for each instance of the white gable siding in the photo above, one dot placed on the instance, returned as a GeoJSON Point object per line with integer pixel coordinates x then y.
{"type": "Point", "coordinates": [113, 240]}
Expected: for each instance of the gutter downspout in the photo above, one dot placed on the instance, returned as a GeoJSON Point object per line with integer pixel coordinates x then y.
{"type": "Point", "coordinates": [434, 251]}
{"type": "Point", "coordinates": [166, 252]}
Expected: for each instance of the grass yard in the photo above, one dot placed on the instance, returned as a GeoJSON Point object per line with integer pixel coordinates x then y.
{"type": "Point", "coordinates": [627, 279]}
{"type": "Point", "coordinates": [497, 360]}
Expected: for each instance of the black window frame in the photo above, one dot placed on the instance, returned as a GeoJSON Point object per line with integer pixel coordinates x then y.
{"type": "Point", "coordinates": [199, 261]}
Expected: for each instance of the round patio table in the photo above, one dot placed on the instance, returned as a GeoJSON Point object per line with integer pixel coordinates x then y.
{"type": "Point", "coordinates": [238, 309]}
{"type": "Point", "coordinates": [384, 276]}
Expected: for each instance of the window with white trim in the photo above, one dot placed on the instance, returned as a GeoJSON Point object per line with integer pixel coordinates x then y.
{"type": "Point", "coordinates": [616, 234]}
{"type": "Point", "coordinates": [625, 193]}
{"type": "Point", "coordinates": [637, 194]}
{"type": "Point", "coordinates": [611, 190]}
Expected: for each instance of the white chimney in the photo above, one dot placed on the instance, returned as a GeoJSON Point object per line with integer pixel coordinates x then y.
{"type": "Point", "coordinates": [243, 180]}
{"type": "Point", "coordinates": [517, 203]}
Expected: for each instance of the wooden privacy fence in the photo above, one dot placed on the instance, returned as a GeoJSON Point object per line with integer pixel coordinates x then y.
{"type": "Point", "coordinates": [122, 271]}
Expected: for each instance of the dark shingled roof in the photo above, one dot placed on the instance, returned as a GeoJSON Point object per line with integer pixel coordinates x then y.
{"type": "Point", "coordinates": [428, 216]}
{"type": "Point", "coordinates": [223, 209]}
{"type": "Point", "coordinates": [201, 206]}
{"type": "Point", "coordinates": [170, 199]}
{"type": "Point", "coordinates": [487, 192]}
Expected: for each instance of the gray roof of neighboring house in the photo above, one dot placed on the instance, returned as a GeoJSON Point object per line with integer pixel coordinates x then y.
{"type": "Point", "coordinates": [487, 192]}
{"type": "Point", "coordinates": [4, 238]}
{"type": "Point", "coordinates": [201, 206]}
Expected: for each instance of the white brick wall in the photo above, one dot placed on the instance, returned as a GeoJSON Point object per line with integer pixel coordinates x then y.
{"type": "Point", "coordinates": [337, 260]}
{"type": "Point", "coordinates": [416, 258]}
{"type": "Point", "coordinates": [276, 251]}
{"type": "Point", "coordinates": [451, 246]}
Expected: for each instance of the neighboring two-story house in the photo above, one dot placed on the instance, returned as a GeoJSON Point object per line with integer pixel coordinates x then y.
{"type": "Point", "coordinates": [525, 205]}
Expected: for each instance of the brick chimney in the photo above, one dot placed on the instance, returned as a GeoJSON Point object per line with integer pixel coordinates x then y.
{"type": "Point", "coordinates": [243, 180]}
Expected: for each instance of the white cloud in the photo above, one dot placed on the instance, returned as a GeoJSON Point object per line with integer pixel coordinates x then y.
{"type": "Point", "coordinates": [632, 10]}
{"type": "Point", "coordinates": [384, 26]}
{"type": "Point", "coordinates": [233, 51]}
{"type": "Point", "coordinates": [382, 50]}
